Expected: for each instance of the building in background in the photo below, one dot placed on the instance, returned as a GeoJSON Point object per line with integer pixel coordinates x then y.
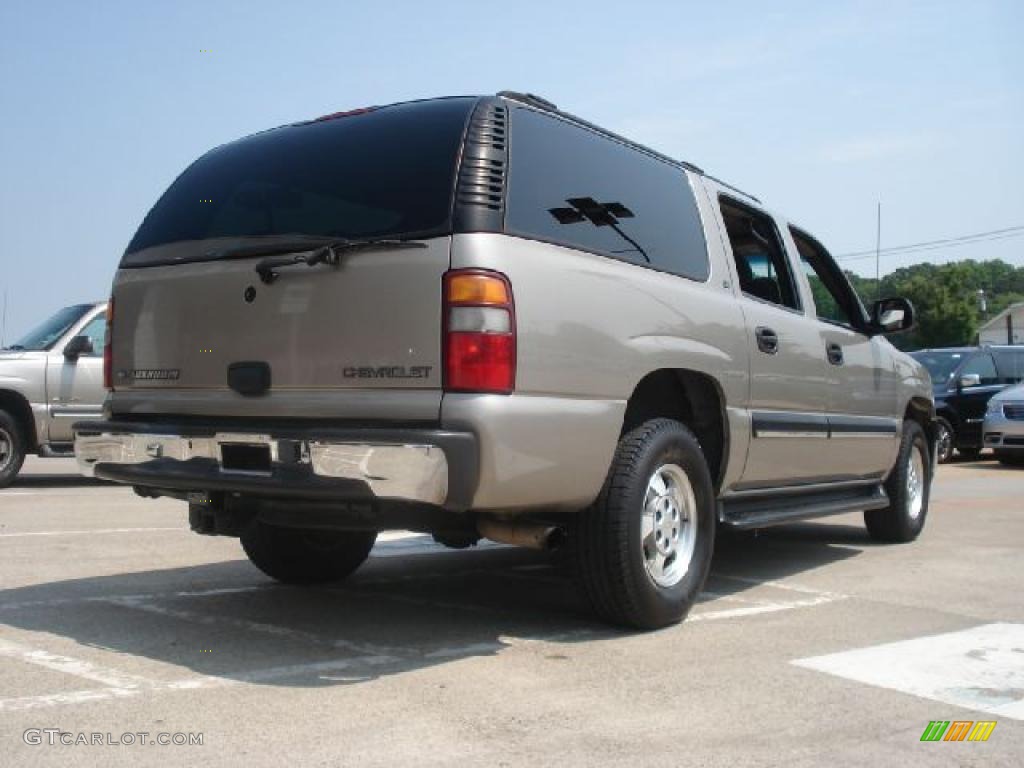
{"type": "Point", "coordinates": [1005, 328]}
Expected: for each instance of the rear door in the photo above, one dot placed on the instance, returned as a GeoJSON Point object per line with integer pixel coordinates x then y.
{"type": "Point", "coordinates": [357, 339]}
{"type": "Point", "coordinates": [789, 432]}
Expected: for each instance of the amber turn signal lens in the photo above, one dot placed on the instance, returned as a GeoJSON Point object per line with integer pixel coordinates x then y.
{"type": "Point", "coordinates": [477, 289]}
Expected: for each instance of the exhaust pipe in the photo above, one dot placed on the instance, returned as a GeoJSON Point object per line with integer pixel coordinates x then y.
{"type": "Point", "coordinates": [529, 535]}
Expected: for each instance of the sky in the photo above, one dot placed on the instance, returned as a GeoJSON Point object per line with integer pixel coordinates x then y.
{"type": "Point", "coordinates": [821, 109]}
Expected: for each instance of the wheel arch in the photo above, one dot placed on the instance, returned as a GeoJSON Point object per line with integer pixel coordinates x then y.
{"type": "Point", "coordinates": [18, 406]}
{"type": "Point", "coordinates": [922, 410]}
{"type": "Point", "coordinates": [692, 397]}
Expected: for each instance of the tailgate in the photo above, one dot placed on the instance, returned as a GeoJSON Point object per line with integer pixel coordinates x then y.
{"type": "Point", "coordinates": [360, 340]}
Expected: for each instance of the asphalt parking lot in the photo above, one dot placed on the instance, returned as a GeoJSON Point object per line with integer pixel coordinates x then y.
{"type": "Point", "coordinates": [812, 645]}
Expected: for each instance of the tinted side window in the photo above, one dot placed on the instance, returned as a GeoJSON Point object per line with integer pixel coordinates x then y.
{"type": "Point", "coordinates": [834, 298]}
{"type": "Point", "coordinates": [96, 330]}
{"type": "Point", "coordinates": [982, 366]}
{"type": "Point", "coordinates": [575, 187]}
{"type": "Point", "coordinates": [1010, 365]}
{"type": "Point", "coordinates": [759, 254]}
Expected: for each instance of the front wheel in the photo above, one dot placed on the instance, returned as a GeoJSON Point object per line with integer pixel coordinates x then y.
{"type": "Point", "coordinates": [12, 449]}
{"type": "Point", "coordinates": [944, 440]}
{"type": "Point", "coordinates": [305, 556]}
{"type": "Point", "coordinates": [908, 487]}
{"type": "Point", "coordinates": [642, 551]}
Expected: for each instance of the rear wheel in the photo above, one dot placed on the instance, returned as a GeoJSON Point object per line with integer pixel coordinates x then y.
{"type": "Point", "coordinates": [908, 487]}
{"type": "Point", "coordinates": [12, 449]}
{"type": "Point", "coordinates": [306, 556]}
{"type": "Point", "coordinates": [944, 439]}
{"type": "Point", "coordinates": [642, 551]}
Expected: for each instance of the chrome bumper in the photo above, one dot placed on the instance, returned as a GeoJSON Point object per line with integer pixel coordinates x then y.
{"type": "Point", "coordinates": [401, 470]}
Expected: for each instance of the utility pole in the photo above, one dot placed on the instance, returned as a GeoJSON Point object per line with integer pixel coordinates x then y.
{"type": "Point", "coordinates": [3, 324]}
{"type": "Point", "coordinates": [878, 253]}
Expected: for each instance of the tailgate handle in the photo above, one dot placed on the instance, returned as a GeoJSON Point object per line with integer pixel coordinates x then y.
{"type": "Point", "coordinates": [249, 378]}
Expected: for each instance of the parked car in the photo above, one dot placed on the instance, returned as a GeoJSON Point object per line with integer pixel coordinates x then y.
{"type": "Point", "coordinates": [49, 378]}
{"type": "Point", "coordinates": [482, 316]}
{"type": "Point", "coordinates": [1004, 425]}
{"type": "Point", "coordinates": [964, 378]}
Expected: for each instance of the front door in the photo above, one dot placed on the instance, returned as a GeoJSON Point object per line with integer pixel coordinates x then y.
{"type": "Point", "coordinates": [860, 371]}
{"type": "Point", "coordinates": [74, 387]}
{"type": "Point", "coordinates": [975, 383]}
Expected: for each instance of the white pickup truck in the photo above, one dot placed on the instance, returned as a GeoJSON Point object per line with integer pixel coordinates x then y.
{"type": "Point", "coordinates": [49, 378]}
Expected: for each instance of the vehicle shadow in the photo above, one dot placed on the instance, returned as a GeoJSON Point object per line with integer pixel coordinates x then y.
{"type": "Point", "coordinates": [226, 622]}
{"type": "Point", "coordinates": [56, 481]}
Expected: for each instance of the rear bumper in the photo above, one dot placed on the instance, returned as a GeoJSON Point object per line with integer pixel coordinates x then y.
{"type": "Point", "coordinates": [428, 466]}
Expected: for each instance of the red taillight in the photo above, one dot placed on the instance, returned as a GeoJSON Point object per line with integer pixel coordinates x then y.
{"type": "Point", "coordinates": [479, 332]}
{"type": "Point", "coordinates": [108, 365]}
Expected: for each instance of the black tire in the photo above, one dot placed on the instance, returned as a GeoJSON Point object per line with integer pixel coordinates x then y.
{"type": "Point", "coordinates": [12, 448]}
{"type": "Point", "coordinates": [301, 556]}
{"type": "Point", "coordinates": [1011, 458]}
{"type": "Point", "coordinates": [945, 440]}
{"type": "Point", "coordinates": [969, 454]}
{"type": "Point", "coordinates": [899, 522]}
{"type": "Point", "coordinates": [606, 548]}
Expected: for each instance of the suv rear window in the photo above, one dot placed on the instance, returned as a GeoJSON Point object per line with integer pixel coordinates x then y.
{"type": "Point", "coordinates": [386, 172]}
{"type": "Point", "coordinates": [575, 187]}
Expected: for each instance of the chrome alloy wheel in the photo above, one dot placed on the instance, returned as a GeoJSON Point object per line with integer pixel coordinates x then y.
{"type": "Point", "coordinates": [668, 528]}
{"type": "Point", "coordinates": [6, 448]}
{"type": "Point", "coordinates": [915, 482]}
{"type": "Point", "coordinates": [944, 443]}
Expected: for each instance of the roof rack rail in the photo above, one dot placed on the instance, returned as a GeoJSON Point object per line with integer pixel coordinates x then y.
{"type": "Point", "coordinates": [733, 188]}
{"type": "Point", "coordinates": [530, 98]}
{"type": "Point", "coordinates": [536, 101]}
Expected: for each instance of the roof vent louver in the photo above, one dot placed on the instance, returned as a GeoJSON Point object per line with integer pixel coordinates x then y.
{"type": "Point", "coordinates": [480, 197]}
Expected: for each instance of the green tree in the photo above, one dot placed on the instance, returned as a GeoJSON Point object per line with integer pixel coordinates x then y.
{"type": "Point", "coordinates": [946, 297]}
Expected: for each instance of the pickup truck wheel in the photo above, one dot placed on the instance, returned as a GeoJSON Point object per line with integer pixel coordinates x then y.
{"type": "Point", "coordinates": [12, 449]}
{"type": "Point", "coordinates": [642, 551]}
{"type": "Point", "coordinates": [944, 440]}
{"type": "Point", "coordinates": [300, 556]}
{"type": "Point", "coordinates": [908, 487]}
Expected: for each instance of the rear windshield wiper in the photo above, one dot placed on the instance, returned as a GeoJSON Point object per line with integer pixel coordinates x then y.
{"type": "Point", "coordinates": [310, 253]}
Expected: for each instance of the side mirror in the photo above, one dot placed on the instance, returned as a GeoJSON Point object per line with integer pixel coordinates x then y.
{"type": "Point", "coordinates": [969, 380]}
{"type": "Point", "coordinates": [892, 315]}
{"type": "Point", "coordinates": [78, 346]}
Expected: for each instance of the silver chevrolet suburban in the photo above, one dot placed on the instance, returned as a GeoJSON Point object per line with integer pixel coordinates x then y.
{"type": "Point", "coordinates": [49, 378]}
{"type": "Point", "coordinates": [484, 317]}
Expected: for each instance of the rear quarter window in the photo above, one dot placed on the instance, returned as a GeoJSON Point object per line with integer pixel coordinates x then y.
{"type": "Point", "coordinates": [1010, 363]}
{"type": "Point", "coordinates": [575, 187]}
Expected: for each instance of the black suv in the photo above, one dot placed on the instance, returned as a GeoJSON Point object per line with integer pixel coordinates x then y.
{"type": "Point", "coordinates": [964, 379]}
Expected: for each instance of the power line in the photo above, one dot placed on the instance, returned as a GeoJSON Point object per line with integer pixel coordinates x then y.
{"type": "Point", "coordinates": [909, 251]}
{"type": "Point", "coordinates": [949, 242]}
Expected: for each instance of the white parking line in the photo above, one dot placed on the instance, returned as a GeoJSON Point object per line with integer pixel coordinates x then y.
{"type": "Point", "coordinates": [69, 666]}
{"type": "Point", "coordinates": [248, 625]}
{"type": "Point", "coordinates": [766, 607]}
{"type": "Point", "coordinates": [24, 534]}
{"type": "Point", "coordinates": [190, 683]}
{"type": "Point", "coordinates": [981, 668]}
